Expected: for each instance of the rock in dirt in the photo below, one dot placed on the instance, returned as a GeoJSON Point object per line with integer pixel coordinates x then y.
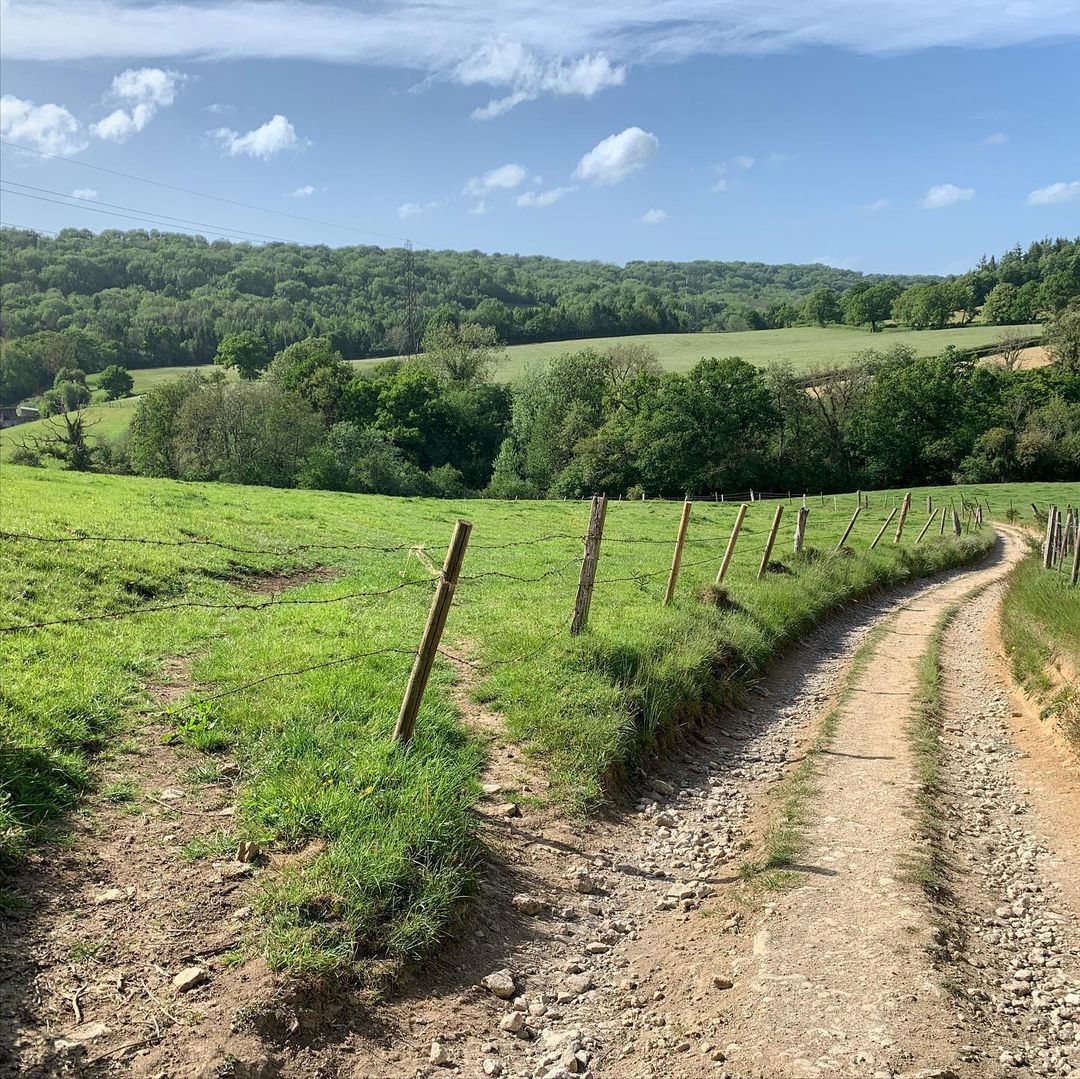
{"type": "Point", "coordinates": [438, 1055]}
{"type": "Point", "coordinates": [492, 1067]}
{"type": "Point", "coordinates": [662, 786]}
{"type": "Point", "coordinates": [512, 1022]}
{"type": "Point", "coordinates": [189, 978]}
{"type": "Point", "coordinates": [501, 983]}
{"type": "Point", "coordinates": [87, 1032]}
{"type": "Point", "coordinates": [112, 895]}
{"type": "Point", "coordinates": [720, 982]}
{"type": "Point", "coordinates": [248, 851]}
{"type": "Point", "coordinates": [527, 904]}
{"type": "Point", "coordinates": [584, 883]}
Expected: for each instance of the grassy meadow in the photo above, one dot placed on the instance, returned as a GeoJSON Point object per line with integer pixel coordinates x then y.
{"type": "Point", "coordinates": [804, 347]}
{"type": "Point", "coordinates": [315, 749]}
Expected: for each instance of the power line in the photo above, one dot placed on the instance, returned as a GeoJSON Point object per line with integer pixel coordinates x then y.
{"type": "Point", "coordinates": [144, 219]}
{"type": "Point", "coordinates": [27, 228]}
{"type": "Point", "coordinates": [67, 201]}
{"type": "Point", "coordinates": [205, 194]}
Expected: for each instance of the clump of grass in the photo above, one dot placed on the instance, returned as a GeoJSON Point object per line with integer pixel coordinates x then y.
{"type": "Point", "coordinates": [120, 792]}
{"type": "Point", "coordinates": [214, 845]}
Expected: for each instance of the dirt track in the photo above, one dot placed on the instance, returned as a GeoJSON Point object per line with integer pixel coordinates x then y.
{"type": "Point", "coordinates": [649, 955]}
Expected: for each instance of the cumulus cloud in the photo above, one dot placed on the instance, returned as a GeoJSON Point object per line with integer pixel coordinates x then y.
{"type": "Point", "coordinates": [1054, 194]}
{"type": "Point", "coordinates": [943, 195]}
{"type": "Point", "coordinates": [143, 90]}
{"type": "Point", "coordinates": [612, 159]}
{"type": "Point", "coordinates": [504, 178]}
{"type": "Point", "coordinates": [84, 193]}
{"type": "Point", "coordinates": [543, 198]}
{"type": "Point", "coordinates": [413, 209]}
{"type": "Point", "coordinates": [273, 137]}
{"type": "Point", "coordinates": [304, 192]}
{"type": "Point", "coordinates": [49, 128]}
{"type": "Point", "coordinates": [653, 217]}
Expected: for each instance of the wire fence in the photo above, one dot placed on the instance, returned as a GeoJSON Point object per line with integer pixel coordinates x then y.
{"type": "Point", "coordinates": [754, 554]}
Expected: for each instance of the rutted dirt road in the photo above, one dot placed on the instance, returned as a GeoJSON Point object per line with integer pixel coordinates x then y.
{"type": "Point", "coordinates": [632, 946]}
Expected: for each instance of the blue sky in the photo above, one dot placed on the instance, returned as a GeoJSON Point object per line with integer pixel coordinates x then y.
{"type": "Point", "coordinates": [894, 135]}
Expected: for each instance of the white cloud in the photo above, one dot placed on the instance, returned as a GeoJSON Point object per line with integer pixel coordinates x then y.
{"type": "Point", "coordinates": [1054, 194]}
{"type": "Point", "coordinates": [84, 193]}
{"type": "Point", "coordinates": [875, 207]}
{"type": "Point", "coordinates": [438, 36]}
{"type": "Point", "coordinates": [721, 185]}
{"type": "Point", "coordinates": [303, 192]}
{"type": "Point", "coordinates": [544, 198]}
{"type": "Point", "coordinates": [49, 128]}
{"type": "Point", "coordinates": [612, 159]}
{"type": "Point", "coordinates": [144, 90]}
{"type": "Point", "coordinates": [997, 139]}
{"type": "Point", "coordinates": [744, 161]}
{"type": "Point", "coordinates": [502, 178]}
{"type": "Point", "coordinates": [942, 195]}
{"type": "Point", "coordinates": [479, 208]}
{"type": "Point", "coordinates": [653, 217]}
{"type": "Point", "coordinates": [412, 209]}
{"type": "Point", "coordinates": [273, 137]}
{"type": "Point", "coordinates": [509, 63]}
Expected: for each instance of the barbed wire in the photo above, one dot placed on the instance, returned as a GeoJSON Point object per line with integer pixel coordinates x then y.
{"type": "Point", "coordinates": [251, 605]}
{"type": "Point", "coordinates": [244, 686]}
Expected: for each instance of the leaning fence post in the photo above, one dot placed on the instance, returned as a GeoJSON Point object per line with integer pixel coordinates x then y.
{"type": "Point", "coordinates": [736, 528]}
{"type": "Point", "coordinates": [588, 564]}
{"type": "Point", "coordinates": [433, 631]}
{"type": "Point", "coordinates": [905, 506]}
{"type": "Point", "coordinates": [847, 531]}
{"type": "Point", "coordinates": [772, 539]}
{"type": "Point", "coordinates": [929, 522]}
{"type": "Point", "coordinates": [676, 558]}
{"type": "Point", "coordinates": [956, 523]}
{"type": "Point", "coordinates": [881, 531]}
{"type": "Point", "coordinates": [800, 528]}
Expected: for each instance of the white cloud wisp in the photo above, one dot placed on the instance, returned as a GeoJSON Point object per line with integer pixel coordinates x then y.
{"type": "Point", "coordinates": [615, 158]}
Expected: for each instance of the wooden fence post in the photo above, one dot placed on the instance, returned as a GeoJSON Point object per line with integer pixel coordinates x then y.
{"type": "Point", "coordinates": [588, 564]}
{"type": "Point", "coordinates": [772, 539]}
{"type": "Point", "coordinates": [905, 506]}
{"type": "Point", "coordinates": [941, 529]}
{"type": "Point", "coordinates": [847, 531]}
{"type": "Point", "coordinates": [433, 631]}
{"type": "Point", "coordinates": [676, 558]}
{"type": "Point", "coordinates": [956, 522]}
{"type": "Point", "coordinates": [929, 522]}
{"type": "Point", "coordinates": [881, 531]}
{"type": "Point", "coordinates": [1048, 542]}
{"type": "Point", "coordinates": [736, 528]}
{"type": "Point", "coordinates": [1076, 557]}
{"type": "Point", "coordinates": [930, 504]}
{"type": "Point", "coordinates": [800, 528]}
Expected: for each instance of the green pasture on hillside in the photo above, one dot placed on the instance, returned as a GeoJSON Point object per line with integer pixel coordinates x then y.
{"type": "Point", "coordinates": [315, 748]}
{"type": "Point", "coordinates": [804, 347]}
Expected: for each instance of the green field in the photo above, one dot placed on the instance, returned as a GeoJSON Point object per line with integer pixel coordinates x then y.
{"type": "Point", "coordinates": [315, 748]}
{"type": "Point", "coordinates": [804, 347]}
{"type": "Point", "coordinates": [110, 419]}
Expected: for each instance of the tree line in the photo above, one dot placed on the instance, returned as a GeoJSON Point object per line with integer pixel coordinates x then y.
{"type": "Point", "coordinates": [599, 420]}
